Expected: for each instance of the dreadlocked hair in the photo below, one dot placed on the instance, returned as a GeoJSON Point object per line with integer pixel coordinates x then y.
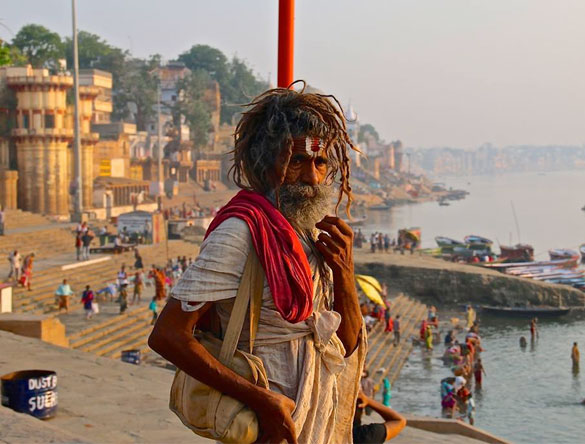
{"type": "Point", "coordinates": [265, 134]}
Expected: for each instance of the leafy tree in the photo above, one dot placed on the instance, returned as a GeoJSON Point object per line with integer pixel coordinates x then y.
{"type": "Point", "coordinates": [208, 59]}
{"type": "Point", "coordinates": [5, 58]}
{"type": "Point", "coordinates": [243, 86]}
{"type": "Point", "coordinates": [137, 86]}
{"type": "Point", "coordinates": [41, 47]}
{"type": "Point", "coordinates": [366, 128]}
{"type": "Point", "coordinates": [237, 81]}
{"type": "Point", "coordinates": [193, 106]}
{"type": "Point", "coordinates": [94, 52]}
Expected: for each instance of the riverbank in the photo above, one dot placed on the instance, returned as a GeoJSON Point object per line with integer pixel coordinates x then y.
{"type": "Point", "coordinates": [438, 282]}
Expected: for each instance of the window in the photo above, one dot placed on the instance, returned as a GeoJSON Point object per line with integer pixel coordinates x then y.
{"type": "Point", "coordinates": [49, 121]}
{"type": "Point", "coordinates": [25, 121]}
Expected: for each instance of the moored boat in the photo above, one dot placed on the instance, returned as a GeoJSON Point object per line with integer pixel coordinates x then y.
{"type": "Point", "coordinates": [562, 253]}
{"type": "Point", "coordinates": [582, 251]}
{"type": "Point", "coordinates": [517, 253]}
{"type": "Point", "coordinates": [443, 241]}
{"type": "Point", "coordinates": [474, 240]}
{"type": "Point", "coordinates": [529, 312]}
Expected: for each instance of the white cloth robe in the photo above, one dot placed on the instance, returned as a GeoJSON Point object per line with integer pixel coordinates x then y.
{"type": "Point", "coordinates": [304, 361]}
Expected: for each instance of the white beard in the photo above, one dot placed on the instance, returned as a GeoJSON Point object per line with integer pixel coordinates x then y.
{"type": "Point", "coordinates": [305, 205]}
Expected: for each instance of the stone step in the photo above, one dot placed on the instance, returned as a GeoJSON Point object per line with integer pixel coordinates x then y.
{"type": "Point", "coordinates": [110, 328]}
{"type": "Point", "coordinates": [394, 364]}
{"type": "Point", "coordinates": [123, 331]}
{"type": "Point", "coordinates": [123, 343]}
{"type": "Point", "coordinates": [379, 334]}
{"type": "Point", "coordinates": [389, 350]}
{"type": "Point", "coordinates": [140, 343]}
{"type": "Point", "coordinates": [104, 324]}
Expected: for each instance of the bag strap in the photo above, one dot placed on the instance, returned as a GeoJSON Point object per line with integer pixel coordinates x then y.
{"type": "Point", "coordinates": [249, 292]}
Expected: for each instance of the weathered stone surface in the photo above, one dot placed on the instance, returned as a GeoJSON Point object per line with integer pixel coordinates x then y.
{"type": "Point", "coordinates": [440, 282]}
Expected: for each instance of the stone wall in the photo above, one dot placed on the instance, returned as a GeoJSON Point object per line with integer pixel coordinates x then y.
{"type": "Point", "coordinates": [436, 285]}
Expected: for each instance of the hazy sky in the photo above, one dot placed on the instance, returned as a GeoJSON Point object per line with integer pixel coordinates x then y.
{"type": "Point", "coordinates": [429, 72]}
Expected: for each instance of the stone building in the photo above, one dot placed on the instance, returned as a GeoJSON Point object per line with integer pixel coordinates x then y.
{"type": "Point", "coordinates": [41, 138]}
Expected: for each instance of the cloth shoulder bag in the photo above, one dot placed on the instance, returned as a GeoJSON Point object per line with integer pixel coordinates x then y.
{"type": "Point", "coordinates": [206, 411]}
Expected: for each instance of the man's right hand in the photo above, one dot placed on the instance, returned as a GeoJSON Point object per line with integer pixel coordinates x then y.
{"type": "Point", "coordinates": [275, 420]}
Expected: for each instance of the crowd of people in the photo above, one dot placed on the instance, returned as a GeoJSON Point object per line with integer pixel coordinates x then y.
{"type": "Point", "coordinates": [163, 278]}
{"type": "Point", "coordinates": [464, 359]}
{"type": "Point", "coordinates": [382, 242]}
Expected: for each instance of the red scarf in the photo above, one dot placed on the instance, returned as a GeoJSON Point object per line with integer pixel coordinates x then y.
{"type": "Point", "coordinates": [279, 250]}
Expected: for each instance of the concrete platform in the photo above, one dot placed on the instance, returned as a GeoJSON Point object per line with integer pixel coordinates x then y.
{"type": "Point", "coordinates": [107, 401]}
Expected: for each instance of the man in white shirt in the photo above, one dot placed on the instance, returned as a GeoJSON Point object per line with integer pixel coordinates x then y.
{"type": "Point", "coordinates": [15, 265]}
{"type": "Point", "coordinates": [289, 147]}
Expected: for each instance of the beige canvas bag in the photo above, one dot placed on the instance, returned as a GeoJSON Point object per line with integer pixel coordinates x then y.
{"type": "Point", "coordinates": [206, 411]}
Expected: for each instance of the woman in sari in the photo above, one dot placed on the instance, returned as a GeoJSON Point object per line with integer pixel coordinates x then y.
{"type": "Point", "coordinates": [27, 267]}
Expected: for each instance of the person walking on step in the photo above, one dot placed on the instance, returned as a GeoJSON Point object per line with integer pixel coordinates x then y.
{"type": "Point", "coordinates": [138, 265]}
{"type": "Point", "coordinates": [2, 220]}
{"type": "Point", "coordinates": [86, 239]}
{"type": "Point", "coordinates": [27, 269]}
{"type": "Point", "coordinates": [87, 298]}
{"type": "Point", "coordinates": [123, 298]}
{"type": "Point", "coordinates": [154, 308]}
{"type": "Point", "coordinates": [122, 278]}
{"type": "Point", "coordinates": [138, 285]}
{"type": "Point", "coordinates": [15, 261]}
{"type": "Point", "coordinates": [396, 327]}
{"type": "Point", "coordinates": [78, 245]}
{"type": "Point", "coordinates": [63, 292]}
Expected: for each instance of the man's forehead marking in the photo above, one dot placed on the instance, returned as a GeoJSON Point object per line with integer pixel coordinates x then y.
{"type": "Point", "coordinates": [311, 145]}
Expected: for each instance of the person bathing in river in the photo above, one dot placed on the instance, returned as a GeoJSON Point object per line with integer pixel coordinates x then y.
{"type": "Point", "coordinates": [478, 372]}
{"type": "Point", "coordinates": [533, 329]}
{"type": "Point", "coordinates": [575, 356]}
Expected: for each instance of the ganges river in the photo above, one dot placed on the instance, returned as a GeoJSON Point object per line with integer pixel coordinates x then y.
{"type": "Point", "coordinates": [531, 395]}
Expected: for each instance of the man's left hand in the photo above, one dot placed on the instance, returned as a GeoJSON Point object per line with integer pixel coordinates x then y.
{"type": "Point", "coordinates": [336, 245]}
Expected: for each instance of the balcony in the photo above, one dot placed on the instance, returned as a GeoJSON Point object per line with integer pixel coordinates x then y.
{"type": "Point", "coordinates": [65, 133]}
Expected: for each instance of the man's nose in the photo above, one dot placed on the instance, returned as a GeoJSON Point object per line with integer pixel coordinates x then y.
{"type": "Point", "coordinates": [310, 174]}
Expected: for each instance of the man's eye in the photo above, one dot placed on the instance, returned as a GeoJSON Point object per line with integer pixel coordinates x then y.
{"type": "Point", "coordinates": [296, 160]}
{"type": "Point", "coordinates": [319, 161]}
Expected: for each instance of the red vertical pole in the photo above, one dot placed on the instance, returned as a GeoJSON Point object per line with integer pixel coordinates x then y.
{"type": "Point", "coordinates": [286, 42]}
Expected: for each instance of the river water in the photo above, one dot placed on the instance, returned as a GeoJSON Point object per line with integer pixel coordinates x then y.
{"type": "Point", "coordinates": [529, 396]}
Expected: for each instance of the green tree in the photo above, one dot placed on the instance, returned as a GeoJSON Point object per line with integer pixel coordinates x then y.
{"type": "Point", "coordinates": [237, 82]}
{"type": "Point", "coordinates": [94, 52]}
{"type": "Point", "coordinates": [5, 58]}
{"type": "Point", "coordinates": [243, 86]}
{"type": "Point", "coordinates": [208, 59]}
{"type": "Point", "coordinates": [193, 106]}
{"type": "Point", "coordinates": [366, 128]}
{"type": "Point", "coordinates": [136, 92]}
{"type": "Point", "coordinates": [41, 47]}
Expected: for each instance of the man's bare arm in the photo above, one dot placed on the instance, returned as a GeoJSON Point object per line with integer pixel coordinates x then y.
{"type": "Point", "coordinates": [336, 246]}
{"type": "Point", "coordinates": [172, 338]}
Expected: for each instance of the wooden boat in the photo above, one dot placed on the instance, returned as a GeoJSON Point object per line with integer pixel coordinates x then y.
{"type": "Point", "coordinates": [560, 263]}
{"type": "Point", "coordinates": [474, 240]}
{"type": "Point", "coordinates": [582, 251]}
{"type": "Point", "coordinates": [562, 253]}
{"type": "Point", "coordinates": [443, 241]}
{"type": "Point", "coordinates": [356, 221]}
{"type": "Point", "coordinates": [381, 207]}
{"type": "Point", "coordinates": [517, 253]}
{"type": "Point", "coordinates": [526, 312]}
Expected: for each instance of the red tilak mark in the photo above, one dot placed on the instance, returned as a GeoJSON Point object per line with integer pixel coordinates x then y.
{"type": "Point", "coordinates": [315, 145]}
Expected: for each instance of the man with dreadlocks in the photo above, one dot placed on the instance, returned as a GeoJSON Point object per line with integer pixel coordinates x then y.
{"type": "Point", "coordinates": [290, 147]}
